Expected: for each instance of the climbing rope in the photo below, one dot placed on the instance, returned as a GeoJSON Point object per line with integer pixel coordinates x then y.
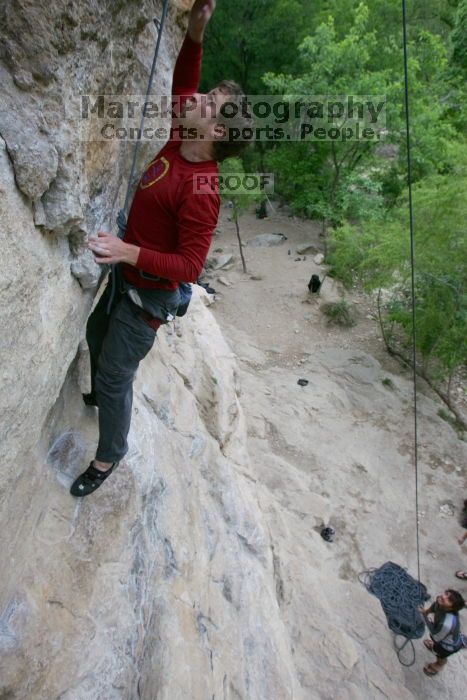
{"type": "Point", "coordinates": [122, 214]}
{"type": "Point", "coordinates": [412, 270]}
{"type": "Point", "coordinates": [400, 594]}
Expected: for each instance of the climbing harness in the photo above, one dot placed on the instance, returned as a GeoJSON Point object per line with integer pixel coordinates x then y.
{"type": "Point", "coordinates": [399, 593]}
{"type": "Point", "coordinates": [122, 214]}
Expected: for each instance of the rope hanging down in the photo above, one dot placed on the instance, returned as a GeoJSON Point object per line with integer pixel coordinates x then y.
{"type": "Point", "coordinates": [400, 595]}
{"type": "Point", "coordinates": [121, 217]}
{"type": "Point", "coordinates": [412, 269]}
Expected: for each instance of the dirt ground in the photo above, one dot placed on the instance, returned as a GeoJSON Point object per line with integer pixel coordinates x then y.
{"type": "Point", "coordinates": [271, 307]}
{"type": "Point", "coordinates": [344, 443]}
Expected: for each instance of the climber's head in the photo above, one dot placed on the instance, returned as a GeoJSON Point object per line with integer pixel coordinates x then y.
{"type": "Point", "coordinates": [450, 600]}
{"type": "Point", "coordinates": [220, 116]}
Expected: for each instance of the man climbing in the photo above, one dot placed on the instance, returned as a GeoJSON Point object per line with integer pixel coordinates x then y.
{"type": "Point", "coordinates": [170, 226]}
{"type": "Point", "coordinates": [444, 629]}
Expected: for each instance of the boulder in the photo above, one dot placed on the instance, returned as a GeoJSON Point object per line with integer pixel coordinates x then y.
{"type": "Point", "coordinates": [318, 259]}
{"type": "Point", "coordinates": [265, 240]}
{"type": "Point", "coordinates": [305, 248]}
{"type": "Point", "coordinates": [220, 262]}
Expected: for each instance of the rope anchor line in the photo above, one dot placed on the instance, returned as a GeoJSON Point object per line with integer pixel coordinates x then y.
{"type": "Point", "coordinates": [121, 217]}
{"type": "Point", "coordinates": [412, 269]}
{"type": "Point", "coordinates": [400, 594]}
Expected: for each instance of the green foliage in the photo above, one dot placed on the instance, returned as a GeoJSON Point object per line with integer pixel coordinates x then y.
{"type": "Point", "coordinates": [339, 313]}
{"type": "Point", "coordinates": [431, 129]}
{"type": "Point", "coordinates": [438, 16]}
{"type": "Point", "coordinates": [332, 47]}
{"type": "Point", "coordinates": [247, 37]}
{"type": "Point", "coordinates": [316, 177]}
{"type": "Point", "coordinates": [241, 201]}
{"type": "Point", "coordinates": [322, 180]}
{"type": "Point", "coordinates": [459, 38]}
{"type": "Point", "coordinates": [377, 253]}
{"type": "Point", "coordinates": [457, 425]}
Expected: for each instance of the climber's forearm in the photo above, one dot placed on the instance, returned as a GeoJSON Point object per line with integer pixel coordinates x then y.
{"type": "Point", "coordinates": [200, 14]}
{"type": "Point", "coordinates": [425, 611]}
{"type": "Point", "coordinates": [197, 37]}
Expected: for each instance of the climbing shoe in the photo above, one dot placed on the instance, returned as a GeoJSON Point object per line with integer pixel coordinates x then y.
{"type": "Point", "coordinates": [90, 480]}
{"type": "Point", "coordinates": [89, 399]}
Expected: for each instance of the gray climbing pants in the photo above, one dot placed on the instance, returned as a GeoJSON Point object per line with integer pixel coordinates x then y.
{"type": "Point", "coordinates": [117, 344]}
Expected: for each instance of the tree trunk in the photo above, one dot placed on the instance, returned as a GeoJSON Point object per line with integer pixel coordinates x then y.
{"type": "Point", "coordinates": [240, 244]}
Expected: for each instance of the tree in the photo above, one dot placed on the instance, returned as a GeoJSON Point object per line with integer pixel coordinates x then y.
{"type": "Point", "coordinates": [320, 175]}
{"type": "Point", "coordinates": [240, 199]}
{"type": "Point", "coordinates": [378, 255]}
{"type": "Point", "coordinates": [459, 38]}
{"type": "Point", "coordinates": [247, 37]}
{"type": "Point", "coordinates": [329, 66]}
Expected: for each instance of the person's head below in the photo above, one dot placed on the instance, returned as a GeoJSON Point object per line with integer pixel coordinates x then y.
{"type": "Point", "coordinates": [219, 119]}
{"type": "Point", "coordinates": [450, 601]}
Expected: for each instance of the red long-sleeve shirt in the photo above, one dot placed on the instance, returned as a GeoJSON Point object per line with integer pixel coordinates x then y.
{"type": "Point", "coordinates": [173, 225]}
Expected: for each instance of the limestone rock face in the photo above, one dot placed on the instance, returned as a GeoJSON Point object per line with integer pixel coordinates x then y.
{"type": "Point", "coordinates": [56, 187]}
{"type": "Point", "coordinates": [197, 571]}
{"type": "Point", "coordinates": [162, 586]}
{"type": "Point", "coordinates": [52, 55]}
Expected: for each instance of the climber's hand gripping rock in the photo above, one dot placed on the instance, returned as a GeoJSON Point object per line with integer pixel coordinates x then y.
{"type": "Point", "coordinates": [200, 14]}
{"type": "Point", "coordinates": [109, 249]}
